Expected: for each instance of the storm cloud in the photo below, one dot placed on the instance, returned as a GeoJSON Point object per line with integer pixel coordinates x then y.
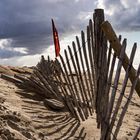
{"type": "Point", "coordinates": [28, 23]}
{"type": "Point", "coordinates": [123, 14]}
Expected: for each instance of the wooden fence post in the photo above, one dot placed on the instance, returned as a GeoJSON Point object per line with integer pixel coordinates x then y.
{"type": "Point", "coordinates": [111, 36]}
{"type": "Point", "coordinates": [101, 66]}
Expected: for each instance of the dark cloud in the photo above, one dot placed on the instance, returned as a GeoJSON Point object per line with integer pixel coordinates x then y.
{"type": "Point", "coordinates": [124, 15]}
{"type": "Point", "coordinates": [5, 54]}
{"type": "Point", "coordinates": [28, 23]}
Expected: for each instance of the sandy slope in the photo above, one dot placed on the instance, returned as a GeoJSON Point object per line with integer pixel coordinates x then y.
{"type": "Point", "coordinates": [23, 116]}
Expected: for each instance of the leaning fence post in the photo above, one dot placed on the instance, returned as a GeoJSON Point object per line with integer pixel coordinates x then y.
{"type": "Point", "coordinates": [111, 36]}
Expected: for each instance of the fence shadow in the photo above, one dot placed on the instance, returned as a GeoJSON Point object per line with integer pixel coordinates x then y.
{"type": "Point", "coordinates": [50, 124]}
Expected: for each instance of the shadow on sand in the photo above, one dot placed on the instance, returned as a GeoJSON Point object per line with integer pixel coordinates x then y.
{"type": "Point", "coordinates": [51, 124]}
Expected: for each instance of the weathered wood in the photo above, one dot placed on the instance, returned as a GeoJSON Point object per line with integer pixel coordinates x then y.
{"type": "Point", "coordinates": [79, 82]}
{"type": "Point", "coordinates": [103, 83]}
{"type": "Point", "coordinates": [90, 84]}
{"type": "Point", "coordinates": [50, 83]}
{"type": "Point", "coordinates": [47, 91]}
{"type": "Point", "coordinates": [86, 102]}
{"type": "Point", "coordinates": [109, 57]}
{"type": "Point", "coordinates": [111, 36]}
{"type": "Point", "coordinates": [98, 20]}
{"type": "Point", "coordinates": [46, 84]}
{"type": "Point", "coordinates": [109, 80]}
{"type": "Point", "coordinates": [91, 29]}
{"type": "Point", "coordinates": [99, 55]}
{"type": "Point", "coordinates": [34, 86]}
{"type": "Point", "coordinates": [71, 79]}
{"type": "Point", "coordinates": [63, 91]}
{"type": "Point", "coordinates": [10, 78]}
{"type": "Point", "coordinates": [70, 87]}
{"type": "Point", "coordinates": [82, 63]}
{"type": "Point", "coordinates": [110, 52]}
{"type": "Point", "coordinates": [126, 104]}
{"type": "Point", "coordinates": [66, 93]}
{"type": "Point", "coordinates": [91, 64]}
{"type": "Point", "coordinates": [21, 78]}
{"type": "Point", "coordinates": [76, 95]}
{"type": "Point", "coordinates": [121, 93]}
{"type": "Point", "coordinates": [116, 80]}
{"type": "Point", "coordinates": [106, 121]}
{"type": "Point", "coordinates": [61, 85]}
{"type": "Point", "coordinates": [54, 104]}
{"type": "Point", "coordinates": [71, 90]}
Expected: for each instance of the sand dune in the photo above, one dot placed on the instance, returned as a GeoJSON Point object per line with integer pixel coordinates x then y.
{"type": "Point", "coordinates": [23, 116]}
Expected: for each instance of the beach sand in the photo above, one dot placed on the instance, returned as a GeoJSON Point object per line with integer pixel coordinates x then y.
{"type": "Point", "coordinates": [23, 116]}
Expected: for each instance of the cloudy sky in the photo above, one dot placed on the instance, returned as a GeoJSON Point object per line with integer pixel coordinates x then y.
{"type": "Point", "coordinates": [25, 25]}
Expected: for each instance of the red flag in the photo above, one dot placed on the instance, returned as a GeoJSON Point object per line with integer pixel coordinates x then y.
{"type": "Point", "coordinates": [56, 39]}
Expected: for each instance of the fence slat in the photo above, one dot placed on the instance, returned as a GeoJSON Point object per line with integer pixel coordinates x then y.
{"type": "Point", "coordinates": [122, 92]}
{"type": "Point", "coordinates": [116, 80]}
{"type": "Point", "coordinates": [91, 29]}
{"type": "Point", "coordinates": [61, 84]}
{"type": "Point", "coordinates": [106, 121]}
{"type": "Point", "coordinates": [86, 102]}
{"type": "Point", "coordinates": [65, 91]}
{"type": "Point", "coordinates": [48, 83]}
{"type": "Point", "coordinates": [70, 78]}
{"type": "Point", "coordinates": [83, 67]}
{"type": "Point", "coordinates": [87, 65]}
{"type": "Point", "coordinates": [91, 63]}
{"type": "Point", "coordinates": [103, 82]}
{"type": "Point", "coordinates": [45, 83]}
{"type": "Point", "coordinates": [79, 83]}
{"type": "Point", "coordinates": [69, 86]}
{"type": "Point", "coordinates": [91, 35]}
{"type": "Point", "coordinates": [76, 95]}
{"type": "Point", "coordinates": [126, 105]}
{"type": "Point", "coordinates": [111, 36]}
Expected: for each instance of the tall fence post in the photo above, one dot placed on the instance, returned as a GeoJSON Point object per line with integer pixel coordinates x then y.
{"type": "Point", "coordinates": [101, 66]}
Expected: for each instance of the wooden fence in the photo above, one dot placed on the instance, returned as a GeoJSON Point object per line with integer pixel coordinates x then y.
{"type": "Point", "coordinates": [90, 75]}
{"type": "Point", "coordinates": [107, 110]}
{"type": "Point", "coordinates": [85, 78]}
